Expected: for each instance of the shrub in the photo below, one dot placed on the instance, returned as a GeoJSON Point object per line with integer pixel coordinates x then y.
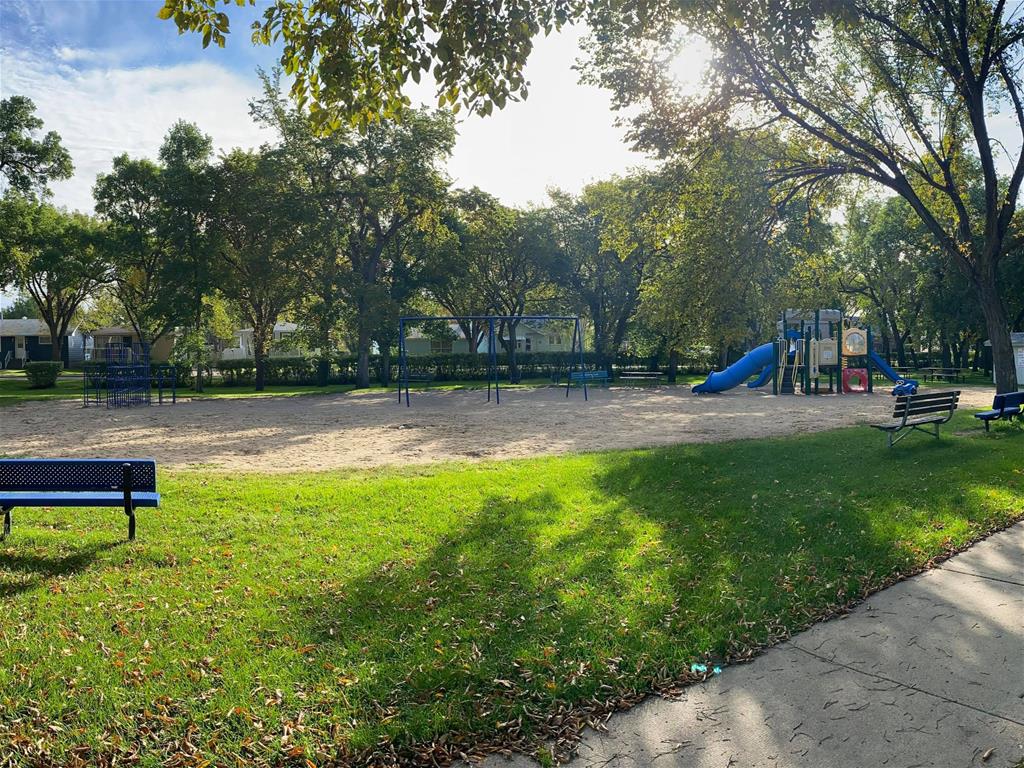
{"type": "Point", "coordinates": [280, 370]}
{"type": "Point", "coordinates": [42, 375]}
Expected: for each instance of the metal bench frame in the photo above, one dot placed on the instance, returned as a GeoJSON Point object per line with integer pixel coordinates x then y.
{"type": "Point", "coordinates": [127, 483]}
{"type": "Point", "coordinates": [917, 412]}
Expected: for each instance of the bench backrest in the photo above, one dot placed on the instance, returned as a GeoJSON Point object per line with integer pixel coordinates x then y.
{"type": "Point", "coordinates": [1008, 400]}
{"type": "Point", "coordinates": [588, 375]}
{"type": "Point", "coordinates": [75, 474]}
{"type": "Point", "coordinates": [923, 403]}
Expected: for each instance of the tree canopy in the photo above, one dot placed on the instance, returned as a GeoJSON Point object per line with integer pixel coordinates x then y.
{"type": "Point", "coordinates": [895, 92]}
{"type": "Point", "coordinates": [28, 163]}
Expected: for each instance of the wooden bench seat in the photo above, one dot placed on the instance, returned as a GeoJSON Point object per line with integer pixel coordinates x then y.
{"type": "Point", "coordinates": [126, 483]}
{"type": "Point", "coordinates": [915, 412]}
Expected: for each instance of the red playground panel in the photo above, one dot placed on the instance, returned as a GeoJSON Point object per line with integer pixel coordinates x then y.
{"type": "Point", "coordinates": [855, 380]}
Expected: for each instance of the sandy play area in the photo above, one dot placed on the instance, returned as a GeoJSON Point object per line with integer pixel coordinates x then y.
{"type": "Point", "coordinates": [284, 434]}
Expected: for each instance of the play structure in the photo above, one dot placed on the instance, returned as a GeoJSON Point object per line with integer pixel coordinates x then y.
{"type": "Point", "coordinates": [815, 352]}
{"type": "Point", "coordinates": [121, 376]}
{"type": "Point", "coordinates": [491, 326]}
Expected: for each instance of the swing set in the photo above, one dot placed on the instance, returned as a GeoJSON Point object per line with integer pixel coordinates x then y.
{"type": "Point", "coordinates": [492, 322]}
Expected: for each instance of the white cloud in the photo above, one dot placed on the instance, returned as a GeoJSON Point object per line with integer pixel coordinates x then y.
{"type": "Point", "coordinates": [562, 135]}
{"type": "Point", "coordinates": [101, 112]}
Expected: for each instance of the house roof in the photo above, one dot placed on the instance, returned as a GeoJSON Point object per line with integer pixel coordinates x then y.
{"type": "Point", "coordinates": [282, 327]}
{"type": "Point", "coordinates": [1016, 339]}
{"type": "Point", "coordinates": [24, 326]}
{"type": "Point", "coordinates": [525, 327]}
{"type": "Point", "coordinates": [112, 330]}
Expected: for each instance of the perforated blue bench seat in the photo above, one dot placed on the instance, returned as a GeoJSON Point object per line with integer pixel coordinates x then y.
{"type": "Point", "coordinates": [127, 483]}
{"type": "Point", "coordinates": [76, 499]}
{"type": "Point", "coordinates": [1005, 407]}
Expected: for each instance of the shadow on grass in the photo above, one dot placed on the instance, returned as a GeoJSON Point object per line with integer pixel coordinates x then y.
{"type": "Point", "coordinates": [543, 600]}
{"type": "Point", "coordinates": [35, 569]}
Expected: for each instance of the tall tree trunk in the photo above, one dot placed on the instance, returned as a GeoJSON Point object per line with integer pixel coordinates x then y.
{"type": "Point", "coordinates": [385, 364]}
{"type": "Point", "coordinates": [363, 359]}
{"type": "Point", "coordinates": [673, 365]}
{"type": "Point", "coordinates": [259, 354]}
{"type": "Point", "coordinates": [998, 327]}
{"type": "Point", "coordinates": [54, 327]}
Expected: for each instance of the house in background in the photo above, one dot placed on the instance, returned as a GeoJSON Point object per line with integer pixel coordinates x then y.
{"type": "Point", "coordinates": [530, 337]}
{"type": "Point", "coordinates": [280, 346]}
{"type": "Point", "coordinates": [27, 340]}
{"type": "Point", "coordinates": [1017, 342]}
{"type": "Point", "coordinates": [98, 340]}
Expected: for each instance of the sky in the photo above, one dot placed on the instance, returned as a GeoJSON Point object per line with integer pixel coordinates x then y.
{"type": "Point", "coordinates": [110, 78]}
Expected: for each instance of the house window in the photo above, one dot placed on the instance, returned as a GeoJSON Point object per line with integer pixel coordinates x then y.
{"type": "Point", "coordinates": [527, 343]}
{"type": "Point", "coordinates": [44, 340]}
{"type": "Point", "coordinates": [440, 346]}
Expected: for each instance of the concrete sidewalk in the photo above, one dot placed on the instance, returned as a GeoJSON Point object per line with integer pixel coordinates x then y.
{"type": "Point", "coordinates": [929, 672]}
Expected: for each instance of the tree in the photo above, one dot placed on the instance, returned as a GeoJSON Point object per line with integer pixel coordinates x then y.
{"type": "Point", "coordinates": [23, 306]}
{"type": "Point", "coordinates": [158, 214]}
{"type": "Point", "coordinates": [516, 251]}
{"type": "Point", "coordinates": [59, 259]}
{"type": "Point", "coordinates": [888, 91]}
{"type": "Point", "coordinates": [28, 164]}
{"type": "Point", "coordinates": [456, 260]}
{"type": "Point", "coordinates": [603, 254]}
{"type": "Point", "coordinates": [255, 236]}
{"type": "Point", "coordinates": [149, 278]}
{"type": "Point", "coordinates": [349, 59]}
{"type": "Point", "coordinates": [361, 192]}
{"type": "Point", "coordinates": [886, 252]}
{"type": "Point", "coordinates": [898, 93]}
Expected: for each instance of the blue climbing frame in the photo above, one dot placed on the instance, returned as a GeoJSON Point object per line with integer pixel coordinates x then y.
{"type": "Point", "coordinates": [576, 353]}
{"type": "Point", "coordinates": [123, 377]}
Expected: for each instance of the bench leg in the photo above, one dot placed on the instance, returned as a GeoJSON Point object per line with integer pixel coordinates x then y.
{"type": "Point", "coordinates": [7, 523]}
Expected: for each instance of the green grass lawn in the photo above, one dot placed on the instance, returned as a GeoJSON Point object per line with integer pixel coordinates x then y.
{"type": "Point", "coordinates": [274, 620]}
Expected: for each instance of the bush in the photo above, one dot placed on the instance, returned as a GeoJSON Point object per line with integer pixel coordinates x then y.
{"type": "Point", "coordinates": [280, 370]}
{"type": "Point", "coordinates": [42, 375]}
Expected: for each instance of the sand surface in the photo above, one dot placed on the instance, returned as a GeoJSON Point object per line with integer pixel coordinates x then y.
{"type": "Point", "coordinates": [317, 432]}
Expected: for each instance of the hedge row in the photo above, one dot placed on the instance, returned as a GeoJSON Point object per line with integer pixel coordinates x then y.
{"type": "Point", "coordinates": [451, 367]}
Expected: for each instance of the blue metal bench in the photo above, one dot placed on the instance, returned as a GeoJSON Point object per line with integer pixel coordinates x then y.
{"type": "Point", "coordinates": [588, 377]}
{"type": "Point", "coordinates": [1006, 406]}
{"type": "Point", "coordinates": [127, 483]}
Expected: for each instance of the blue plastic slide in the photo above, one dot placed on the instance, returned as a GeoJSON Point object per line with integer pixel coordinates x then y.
{"type": "Point", "coordinates": [903, 386]}
{"type": "Point", "coordinates": [755, 361]}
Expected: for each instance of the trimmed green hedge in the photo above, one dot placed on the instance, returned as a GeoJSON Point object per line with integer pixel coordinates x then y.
{"type": "Point", "coordinates": [450, 367]}
{"type": "Point", "coordinates": [43, 374]}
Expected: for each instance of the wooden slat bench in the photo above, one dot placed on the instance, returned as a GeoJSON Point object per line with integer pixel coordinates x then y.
{"type": "Point", "coordinates": [915, 412]}
{"type": "Point", "coordinates": [127, 483]}
{"type": "Point", "coordinates": [1006, 406]}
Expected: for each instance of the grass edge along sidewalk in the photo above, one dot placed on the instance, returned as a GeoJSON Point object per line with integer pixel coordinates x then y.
{"type": "Point", "coordinates": [405, 616]}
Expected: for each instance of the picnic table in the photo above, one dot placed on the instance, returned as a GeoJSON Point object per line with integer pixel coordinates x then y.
{"type": "Point", "coordinates": [642, 376]}
{"type": "Point", "coordinates": [945, 374]}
